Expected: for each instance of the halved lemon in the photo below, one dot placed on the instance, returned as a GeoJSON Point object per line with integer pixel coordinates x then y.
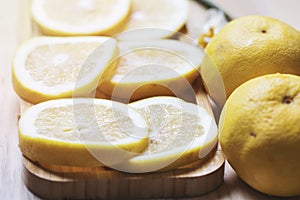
{"type": "Point", "coordinates": [81, 132]}
{"type": "Point", "coordinates": [149, 68]}
{"type": "Point", "coordinates": [155, 19]}
{"type": "Point", "coordinates": [47, 68]}
{"type": "Point", "coordinates": [80, 17]}
{"type": "Point", "coordinates": [179, 133]}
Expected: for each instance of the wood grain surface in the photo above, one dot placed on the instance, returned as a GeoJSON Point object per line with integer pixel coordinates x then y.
{"type": "Point", "coordinates": [11, 163]}
{"type": "Point", "coordinates": [102, 183]}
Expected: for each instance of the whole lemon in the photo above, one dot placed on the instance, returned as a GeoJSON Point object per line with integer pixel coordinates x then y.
{"type": "Point", "coordinates": [248, 47]}
{"type": "Point", "coordinates": [260, 133]}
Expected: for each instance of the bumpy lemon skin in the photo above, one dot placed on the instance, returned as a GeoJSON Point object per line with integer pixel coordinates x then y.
{"type": "Point", "coordinates": [260, 133]}
{"type": "Point", "coordinates": [248, 47]}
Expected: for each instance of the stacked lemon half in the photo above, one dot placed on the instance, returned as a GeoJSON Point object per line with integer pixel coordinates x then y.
{"type": "Point", "coordinates": [69, 126]}
{"type": "Point", "coordinates": [103, 100]}
{"type": "Point", "coordinates": [46, 68]}
{"type": "Point", "coordinates": [153, 134]}
{"type": "Point", "coordinates": [101, 17]}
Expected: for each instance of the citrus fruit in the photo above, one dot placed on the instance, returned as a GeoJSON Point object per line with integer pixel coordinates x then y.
{"type": "Point", "coordinates": [179, 133]}
{"type": "Point", "coordinates": [248, 47]}
{"type": "Point", "coordinates": [80, 17]}
{"type": "Point", "coordinates": [47, 68]}
{"type": "Point", "coordinates": [148, 68]}
{"type": "Point", "coordinates": [81, 132]}
{"type": "Point", "coordinates": [155, 19]}
{"type": "Point", "coordinates": [260, 133]}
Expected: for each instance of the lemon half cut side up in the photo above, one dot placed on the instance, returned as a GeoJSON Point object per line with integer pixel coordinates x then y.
{"type": "Point", "coordinates": [149, 68]}
{"type": "Point", "coordinates": [82, 132]}
{"type": "Point", "coordinates": [154, 19]}
{"type": "Point", "coordinates": [80, 17]}
{"type": "Point", "coordinates": [46, 68]}
{"type": "Point", "coordinates": [179, 133]}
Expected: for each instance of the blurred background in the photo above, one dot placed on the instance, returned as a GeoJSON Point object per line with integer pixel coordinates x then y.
{"type": "Point", "coordinates": [285, 10]}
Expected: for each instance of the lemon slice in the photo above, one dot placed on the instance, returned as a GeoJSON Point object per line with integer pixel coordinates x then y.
{"type": "Point", "coordinates": [80, 17]}
{"type": "Point", "coordinates": [180, 133]}
{"type": "Point", "coordinates": [47, 68]}
{"type": "Point", "coordinates": [81, 132]}
{"type": "Point", "coordinates": [155, 19]}
{"type": "Point", "coordinates": [152, 67]}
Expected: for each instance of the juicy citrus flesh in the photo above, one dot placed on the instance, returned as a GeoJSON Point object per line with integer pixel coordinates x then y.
{"type": "Point", "coordinates": [152, 68]}
{"type": "Point", "coordinates": [179, 133]}
{"type": "Point", "coordinates": [155, 19]}
{"type": "Point", "coordinates": [81, 132]}
{"type": "Point", "coordinates": [45, 68]}
{"type": "Point", "coordinates": [65, 57]}
{"type": "Point", "coordinates": [132, 61]}
{"type": "Point", "coordinates": [248, 47]}
{"type": "Point", "coordinates": [259, 133]}
{"type": "Point", "coordinates": [80, 17]}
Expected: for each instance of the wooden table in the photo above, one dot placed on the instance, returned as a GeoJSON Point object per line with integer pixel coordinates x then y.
{"type": "Point", "coordinates": [11, 183]}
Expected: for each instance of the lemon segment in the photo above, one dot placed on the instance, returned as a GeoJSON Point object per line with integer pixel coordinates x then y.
{"type": "Point", "coordinates": [155, 19]}
{"type": "Point", "coordinates": [47, 68]}
{"type": "Point", "coordinates": [179, 133]}
{"type": "Point", "coordinates": [81, 132]}
{"type": "Point", "coordinates": [151, 68]}
{"type": "Point", "coordinates": [80, 17]}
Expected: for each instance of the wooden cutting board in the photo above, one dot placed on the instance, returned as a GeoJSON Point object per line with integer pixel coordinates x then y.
{"type": "Point", "coordinates": [103, 183]}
